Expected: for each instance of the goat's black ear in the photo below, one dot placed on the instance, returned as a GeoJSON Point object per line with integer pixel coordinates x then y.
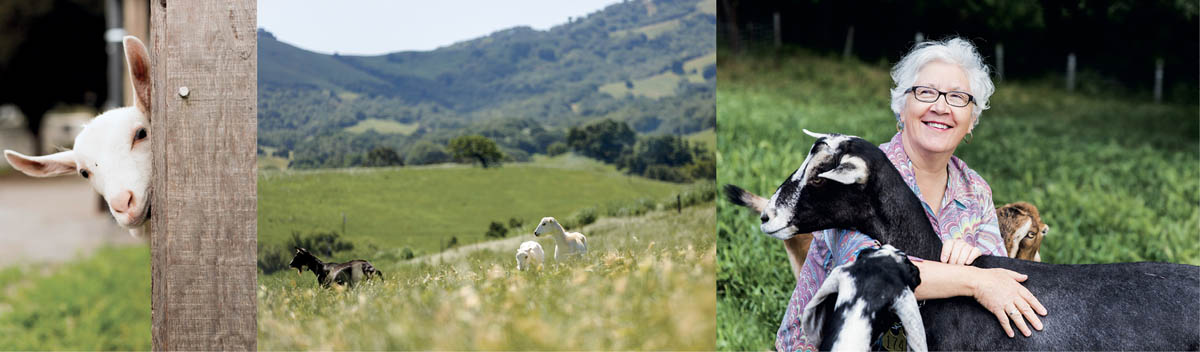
{"type": "Point", "coordinates": [914, 274]}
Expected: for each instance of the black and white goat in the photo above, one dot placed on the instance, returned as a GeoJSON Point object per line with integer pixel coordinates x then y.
{"type": "Point", "coordinates": [849, 183]}
{"type": "Point", "coordinates": [344, 274]}
{"type": "Point", "coordinates": [859, 300]}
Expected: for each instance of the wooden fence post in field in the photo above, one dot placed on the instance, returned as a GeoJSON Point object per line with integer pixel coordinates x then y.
{"type": "Point", "coordinates": [778, 35]}
{"type": "Point", "coordinates": [1071, 72]}
{"type": "Point", "coordinates": [1000, 62]}
{"type": "Point", "coordinates": [1158, 78]}
{"type": "Point", "coordinates": [203, 135]}
{"type": "Point", "coordinates": [849, 43]}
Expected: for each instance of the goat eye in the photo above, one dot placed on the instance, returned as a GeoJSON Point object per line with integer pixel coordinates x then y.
{"type": "Point", "coordinates": [1031, 234]}
{"type": "Point", "coordinates": [83, 173]}
{"type": "Point", "coordinates": [141, 134]}
{"type": "Point", "coordinates": [818, 180]}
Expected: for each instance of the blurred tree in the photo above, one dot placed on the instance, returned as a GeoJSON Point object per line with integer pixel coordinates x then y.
{"type": "Point", "coordinates": [383, 156]}
{"type": "Point", "coordinates": [603, 140]}
{"type": "Point", "coordinates": [475, 148]}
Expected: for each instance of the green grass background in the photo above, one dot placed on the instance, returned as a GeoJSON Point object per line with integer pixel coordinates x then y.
{"type": "Point", "coordinates": [419, 207]}
{"type": "Point", "coordinates": [101, 302]}
{"type": "Point", "coordinates": [1117, 180]}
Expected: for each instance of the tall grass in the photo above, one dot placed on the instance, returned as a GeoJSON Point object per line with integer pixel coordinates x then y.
{"type": "Point", "coordinates": [1116, 179]}
{"type": "Point", "coordinates": [647, 282]}
{"type": "Point", "coordinates": [97, 303]}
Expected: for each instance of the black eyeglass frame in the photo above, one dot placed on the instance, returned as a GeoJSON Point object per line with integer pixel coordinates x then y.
{"type": "Point", "coordinates": [913, 89]}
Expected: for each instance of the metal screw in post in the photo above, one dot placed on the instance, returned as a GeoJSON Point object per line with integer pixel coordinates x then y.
{"type": "Point", "coordinates": [183, 92]}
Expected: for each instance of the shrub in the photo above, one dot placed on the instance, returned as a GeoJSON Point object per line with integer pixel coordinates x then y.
{"type": "Point", "coordinates": [496, 230]}
{"type": "Point", "coordinates": [556, 148]}
{"type": "Point", "coordinates": [425, 152]}
{"type": "Point", "coordinates": [584, 217]}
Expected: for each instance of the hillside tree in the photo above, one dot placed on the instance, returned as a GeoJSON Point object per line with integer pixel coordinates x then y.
{"type": "Point", "coordinates": [475, 148]}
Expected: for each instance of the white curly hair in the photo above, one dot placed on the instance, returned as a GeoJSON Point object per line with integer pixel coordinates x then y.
{"type": "Point", "coordinates": [954, 50]}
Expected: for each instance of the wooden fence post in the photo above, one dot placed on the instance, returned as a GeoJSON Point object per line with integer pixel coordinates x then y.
{"type": "Point", "coordinates": [1158, 80]}
{"type": "Point", "coordinates": [849, 43]}
{"type": "Point", "coordinates": [1071, 72]}
{"type": "Point", "coordinates": [778, 29]}
{"type": "Point", "coordinates": [204, 225]}
{"type": "Point", "coordinates": [1000, 62]}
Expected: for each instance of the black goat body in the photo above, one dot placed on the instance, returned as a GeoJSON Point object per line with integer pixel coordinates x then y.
{"type": "Point", "coordinates": [1122, 306]}
{"type": "Point", "coordinates": [348, 273]}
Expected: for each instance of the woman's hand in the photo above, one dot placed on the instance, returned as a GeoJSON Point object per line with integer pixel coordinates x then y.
{"type": "Point", "coordinates": [959, 252]}
{"type": "Point", "coordinates": [1000, 291]}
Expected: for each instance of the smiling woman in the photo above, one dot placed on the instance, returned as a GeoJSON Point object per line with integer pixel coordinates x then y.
{"type": "Point", "coordinates": [941, 88]}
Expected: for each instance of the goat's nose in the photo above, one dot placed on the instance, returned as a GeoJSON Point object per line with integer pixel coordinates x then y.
{"type": "Point", "coordinates": [764, 217]}
{"type": "Point", "coordinates": [122, 202]}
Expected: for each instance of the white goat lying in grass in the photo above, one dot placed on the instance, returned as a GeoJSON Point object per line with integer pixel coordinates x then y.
{"type": "Point", "coordinates": [112, 152]}
{"type": "Point", "coordinates": [566, 244]}
{"type": "Point", "coordinates": [530, 255]}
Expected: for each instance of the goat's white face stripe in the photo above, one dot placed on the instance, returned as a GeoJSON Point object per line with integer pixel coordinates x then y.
{"type": "Point", "coordinates": [1017, 236]}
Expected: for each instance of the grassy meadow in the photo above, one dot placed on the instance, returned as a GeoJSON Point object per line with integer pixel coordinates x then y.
{"type": "Point", "coordinates": [647, 282]}
{"type": "Point", "coordinates": [101, 302]}
{"type": "Point", "coordinates": [1115, 178]}
{"type": "Point", "coordinates": [422, 207]}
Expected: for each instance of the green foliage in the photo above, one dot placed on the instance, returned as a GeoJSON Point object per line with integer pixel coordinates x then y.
{"type": "Point", "coordinates": [475, 148]}
{"type": "Point", "coordinates": [656, 150]}
{"type": "Point", "coordinates": [496, 230]}
{"type": "Point", "coordinates": [584, 217]}
{"type": "Point", "coordinates": [383, 156]}
{"type": "Point", "coordinates": [556, 149]}
{"type": "Point", "coordinates": [101, 302]}
{"type": "Point", "coordinates": [1115, 179]}
{"type": "Point", "coordinates": [603, 140]}
{"type": "Point", "coordinates": [647, 283]}
{"type": "Point", "coordinates": [515, 223]}
{"type": "Point", "coordinates": [425, 153]}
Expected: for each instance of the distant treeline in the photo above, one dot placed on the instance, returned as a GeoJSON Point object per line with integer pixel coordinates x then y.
{"type": "Point", "coordinates": [661, 157]}
{"type": "Point", "coordinates": [1116, 42]}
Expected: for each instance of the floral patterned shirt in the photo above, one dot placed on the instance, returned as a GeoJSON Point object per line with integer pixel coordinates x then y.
{"type": "Point", "coordinates": [967, 214]}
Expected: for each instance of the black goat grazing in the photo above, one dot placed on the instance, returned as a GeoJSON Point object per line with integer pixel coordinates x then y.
{"type": "Point", "coordinates": [849, 183]}
{"type": "Point", "coordinates": [348, 273]}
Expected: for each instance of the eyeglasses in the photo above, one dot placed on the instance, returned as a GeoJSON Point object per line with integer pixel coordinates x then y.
{"type": "Point", "coordinates": [929, 95]}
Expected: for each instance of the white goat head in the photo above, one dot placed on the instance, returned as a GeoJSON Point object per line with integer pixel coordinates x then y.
{"type": "Point", "coordinates": [530, 255]}
{"type": "Point", "coordinates": [547, 225]}
{"type": "Point", "coordinates": [832, 158]}
{"type": "Point", "coordinates": [112, 152]}
{"type": "Point", "coordinates": [861, 299]}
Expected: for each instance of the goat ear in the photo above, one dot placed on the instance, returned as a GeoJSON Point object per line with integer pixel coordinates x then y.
{"type": "Point", "coordinates": [56, 164]}
{"type": "Point", "coordinates": [138, 60]}
{"type": "Point", "coordinates": [905, 306]}
{"type": "Point", "coordinates": [851, 170]}
{"type": "Point", "coordinates": [814, 317]}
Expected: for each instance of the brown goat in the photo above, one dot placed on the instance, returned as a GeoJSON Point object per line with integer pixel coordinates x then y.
{"type": "Point", "coordinates": [1023, 230]}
